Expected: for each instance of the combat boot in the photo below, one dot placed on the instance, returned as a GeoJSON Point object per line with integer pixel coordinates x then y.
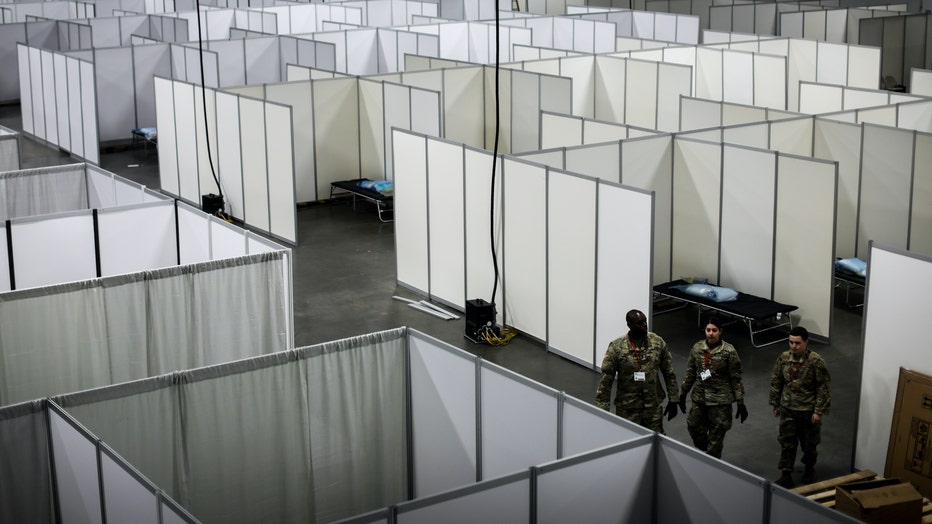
{"type": "Point", "coordinates": [809, 475]}
{"type": "Point", "coordinates": [785, 480]}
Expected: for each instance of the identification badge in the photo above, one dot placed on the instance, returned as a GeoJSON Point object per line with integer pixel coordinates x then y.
{"type": "Point", "coordinates": [639, 376]}
{"type": "Point", "coordinates": [706, 374]}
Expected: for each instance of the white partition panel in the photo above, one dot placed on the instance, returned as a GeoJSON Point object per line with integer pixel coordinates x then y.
{"type": "Point", "coordinates": [4, 260]}
{"type": "Point", "coordinates": [524, 205]}
{"type": "Point", "coordinates": [920, 82]}
{"type": "Point", "coordinates": [165, 120]}
{"type": "Point", "coordinates": [61, 95]}
{"type": "Point", "coordinates": [479, 271]}
{"type": "Point", "coordinates": [75, 111]}
{"type": "Point", "coordinates": [446, 222]}
{"type": "Point", "coordinates": [505, 499]}
{"type": "Point", "coordinates": [518, 420]}
{"type": "Point", "coordinates": [193, 236]}
{"type": "Point", "coordinates": [792, 136]}
{"type": "Point", "coordinates": [748, 196]}
{"type": "Point", "coordinates": [707, 74]}
{"type": "Point", "coordinates": [886, 179]}
{"type": "Point", "coordinates": [571, 265]}
{"type": "Point", "coordinates": [74, 456]}
{"type": "Point", "coordinates": [673, 82]}
{"type": "Point", "coordinates": [226, 241]}
{"type": "Point", "coordinates": [582, 70]}
{"type": "Point", "coordinates": [893, 321]}
{"type": "Point", "coordinates": [126, 498]}
{"type": "Point", "coordinates": [137, 238]}
{"type": "Point", "coordinates": [690, 486]}
{"type": "Point", "coordinates": [255, 163]}
{"type": "Point", "coordinates": [770, 81]}
{"type": "Point", "coordinates": [611, 72]}
{"type": "Point", "coordinates": [443, 417]}
{"type": "Point", "coordinates": [560, 131]}
{"type": "Point", "coordinates": [738, 68]}
{"type": "Point", "coordinates": [805, 207]}
{"type": "Point", "coordinates": [586, 427]}
{"type": "Point", "coordinates": [697, 193]}
{"type": "Point", "coordinates": [280, 172]}
{"type": "Point", "coordinates": [592, 490]}
{"type": "Point", "coordinates": [754, 135]}
{"type": "Point", "coordinates": [832, 67]}
{"type": "Point", "coordinates": [186, 141]}
{"type": "Point", "coordinates": [841, 142]}
{"type": "Point", "coordinates": [698, 113]}
{"type": "Point", "coordinates": [801, 67]}
{"type": "Point", "coordinates": [229, 152]}
{"type": "Point", "coordinates": [54, 250]}
{"type": "Point", "coordinates": [648, 164]}
{"type": "Point", "coordinates": [89, 112]}
{"type": "Point", "coordinates": [336, 132]}
{"type": "Point", "coordinates": [740, 114]}
{"type": "Point", "coordinates": [411, 235]}
{"type": "Point", "coordinates": [641, 94]}
{"type": "Point", "coordinates": [598, 160]}
{"type": "Point", "coordinates": [863, 66]}
{"type": "Point", "coordinates": [920, 220]}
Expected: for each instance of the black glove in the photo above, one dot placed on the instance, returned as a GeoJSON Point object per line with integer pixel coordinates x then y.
{"type": "Point", "coordinates": [671, 410]}
{"type": "Point", "coordinates": [742, 413]}
{"type": "Point", "coordinates": [683, 403]}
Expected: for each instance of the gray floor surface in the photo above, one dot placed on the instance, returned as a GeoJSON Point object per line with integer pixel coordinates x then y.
{"type": "Point", "coordinates": [344, 279]}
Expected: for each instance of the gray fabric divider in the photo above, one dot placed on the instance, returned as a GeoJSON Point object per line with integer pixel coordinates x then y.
{"type": "Point", "coordinates": [25, 486]}
{"type": "Point", "coordinates": [42, 191]}
{"type": "Point", "coordinates": [310, 451]}
{"type": "Point", "coordinates": [9, 147]}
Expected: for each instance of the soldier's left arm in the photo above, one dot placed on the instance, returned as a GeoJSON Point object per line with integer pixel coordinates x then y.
{"type": "Point", "coordinates": [734, 370]}
{"type": "Point", "coordinates": [823, 400]}
{"type": "Point", "coordinates": [669, 376]}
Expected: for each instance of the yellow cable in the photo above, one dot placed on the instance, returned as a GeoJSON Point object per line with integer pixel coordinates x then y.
{"type": "Point", "coordinates": [502, 338]}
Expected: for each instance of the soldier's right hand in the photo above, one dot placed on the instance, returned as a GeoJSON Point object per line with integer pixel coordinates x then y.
{"type": "Point", "coordinates": [682, 403]}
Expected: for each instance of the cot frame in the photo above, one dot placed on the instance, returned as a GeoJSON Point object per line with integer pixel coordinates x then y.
{"type": "Point", "coordinates": [383, 204]}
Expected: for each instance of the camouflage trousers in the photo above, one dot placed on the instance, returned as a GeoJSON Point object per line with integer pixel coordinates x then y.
{"type": "Point", "coordinates": [650, 418]}
{"type": "Point", "coordinates": [707, 426]}
{"type": "Point", "coordinates": [796, 427]}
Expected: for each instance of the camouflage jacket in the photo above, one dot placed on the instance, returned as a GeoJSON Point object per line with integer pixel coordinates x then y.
{"type": "Point", "coordinates": [724, 386]}
{"type": "Point", "coordinates": [801, 384]}
{"type": "Point", "coordinates": [622, 360]}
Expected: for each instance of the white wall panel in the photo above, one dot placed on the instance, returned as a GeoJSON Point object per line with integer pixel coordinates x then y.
{"type": "Point", "coordinates": [89, 114]}
{"type": "Point", "coordinates": [770, 81]}
{"type": "Point", "coordinates": [48, 96]}
{"type": "Point", "coordinates": [255, 164]}
{"type": "Point", "coordinates": [920, 225]}
{"type": "Point", "coordinates": [297, 95]}
{"type": "Point", "coordinates": [863, 67]}
{"type": "Point", "coordinates": [463, 93]}
{"type": "Point", "coordinates": [738, 68]}
{"type": "Point", "coordinates": [803, 277]}
{"type": "Point", "coordinates": [62, 85]}
{"type": "Point", "coordinates": [708, 74]}
{"type": "Point", "coordinates": [443, 417]}
{"type": "Point", "coordinates": [754, 135]}
{"type": "Point", "coordinates": [479, 271]}
{"type": "Point", "coordinates": [54, 250]}
{"type": "Point", "coordinates": [560, 131]}
{"type": "Point", "coordinates": [841, 142]}
{"type": "Point", "coordinates": [519, 423]}
{"type": "Point", "coordinates": [624, 282]}
{"type": "Point", "coordinates": [641, 94]}
{"type": "Point", "coordinates": [648, 164]}
{"type": "Point", "coordinates": [411, 238]}
{"type": "Point", "coordinates": [674, 82]}
{"type": "Point", "coordinates": [137, 239]}
{"type": "Point", "coordinates": [193, 236]}
{"type": "Point", "coordinates": [748, 199]}
{"type": "Point", "coordinates": [229, 153]}
{"type": "Point", "coordinates": [76, 471]}
{"type": "Point", "coordinates": [281, 180]}
{"type": "Point", "coordinates": [886, 177]}
{"type": "Point", "coordinates": [816, 98]}
{"type": "Point", "coordinates": [792, 136]}
{"type": "Point", "coordinates": [698, 113]}
{"type": "Point", "coordinates": [801, 67]}
{"type": "Point", "coordinates": [598, 161]}
{"type": "Point", "coordinates": [524, 194]}
{"type": "Point", "coordinates": [582, 71]}
{"type": "Point", "coordinates": [595, 132]}
{"type": "Point", "coordinates": [697, 193]}
{"type": "Point", "coordinates": [186, 141]}
{"type": "Point", "coordinates": [571, 265]}
{"type": "Point", "coordinates": [4, 260]}
{"type": "Point", "coordinates": [336, 131]}
{"type": "Point", "coordinates": [610, 73]}
{"type": "Point", "coordinates": [893, 321]}
{"type": "Point", "coordinates": [446, 222]}
{"type": "Point", "coordinates": [75, 119]}
{"type": "Point", "coordinates": [206, 140]}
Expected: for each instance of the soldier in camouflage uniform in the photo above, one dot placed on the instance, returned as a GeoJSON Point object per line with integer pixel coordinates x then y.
{"type": "Point", "coordinates": [800, 394]}
{"type": "Point", "coordinates": [713, 372]}
{"type": "Point", "coordinates": [638, 358]}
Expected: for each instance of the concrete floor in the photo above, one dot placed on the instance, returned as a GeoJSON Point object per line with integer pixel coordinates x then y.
{"type": "Point", "coordinates": [344, 279]}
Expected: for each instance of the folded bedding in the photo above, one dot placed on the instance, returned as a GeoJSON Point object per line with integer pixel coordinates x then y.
{"type": "Point", "coordinates": [709, 292]}
{"type": "Point", "coordinates": [383, 187]}
{"type": "Point", "coordinates": [852, 266]}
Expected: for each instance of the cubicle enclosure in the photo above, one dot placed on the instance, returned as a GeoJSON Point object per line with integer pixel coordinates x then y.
{"type": "Point", "coordinates": [251, 147]}
{"type": "Point", "coordinates": [896, 305]}
{"type": "Point", "coordinates": [443, 435]}
{"type": "Point", "coordinates": [564, 279]}
{"type": "Point", "coordinates": [840, 26]}
{"type": "Point", "coordinates": [562, 130]}
{"type": "Point", "coordinates": [569, 33]}
{"type": "Point", "coordinates": [634, 92]}
{"type": "Point", "coordinates": [904, 42]}
{"type": "Point", "coordinates": [135, 290]}
{"type": "Point", "coordinates": [700, 113]}
{"type": "Point", "coordinates": [817, 98]}
{"type": "Point", "coordinates": [664, 27]}
{"type": "Point", "coordinates": [745, 202]}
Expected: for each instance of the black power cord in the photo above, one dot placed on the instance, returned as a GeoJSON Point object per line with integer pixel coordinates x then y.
{"type": "Point", "coordinates": [495, 156]}
{"type": "Point", "coordinates": [210, 158]}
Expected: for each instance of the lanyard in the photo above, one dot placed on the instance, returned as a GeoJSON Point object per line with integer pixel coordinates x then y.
{"type": "Point", "coordinates": [637, 354]}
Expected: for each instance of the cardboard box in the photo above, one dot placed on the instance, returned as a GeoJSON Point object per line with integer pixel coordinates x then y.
{"type": "Point", "coordinates": [880, 501]}
{"type": "Point", "coordinates": [909, 452]}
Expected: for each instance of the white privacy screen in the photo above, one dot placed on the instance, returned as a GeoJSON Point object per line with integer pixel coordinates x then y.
{"type": "Point", "coordinates": [898, 299]}
{"type": "Point", "coordinates": [54, 250]}
{"type": "Point", "coordinates": [76, 470]}
{"type": "Point", "coordinates": [446, 222]}
{"type": "Point", "coordinates": [137, 239]}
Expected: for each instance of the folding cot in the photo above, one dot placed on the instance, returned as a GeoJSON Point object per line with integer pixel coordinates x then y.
{"type": "Point", "coordinates": [757, 313]}
{"type": "Point", "coordinates": [384, 204]}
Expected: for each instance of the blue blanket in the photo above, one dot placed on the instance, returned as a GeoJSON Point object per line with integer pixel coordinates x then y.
{"type": "Point", "coordinates": [852, 266]}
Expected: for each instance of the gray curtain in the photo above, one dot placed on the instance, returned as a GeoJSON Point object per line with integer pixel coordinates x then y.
{"type": "Point", "coordinates": [308, 435]}
{"type": "Point", "coordinates": [42, 191]}
{"type": "Point", "coordinates": [81, 335]}
{"type": "Point", "coordinates": [9, 150]}
{"type": "Point", "coordinates": [25, 490]}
